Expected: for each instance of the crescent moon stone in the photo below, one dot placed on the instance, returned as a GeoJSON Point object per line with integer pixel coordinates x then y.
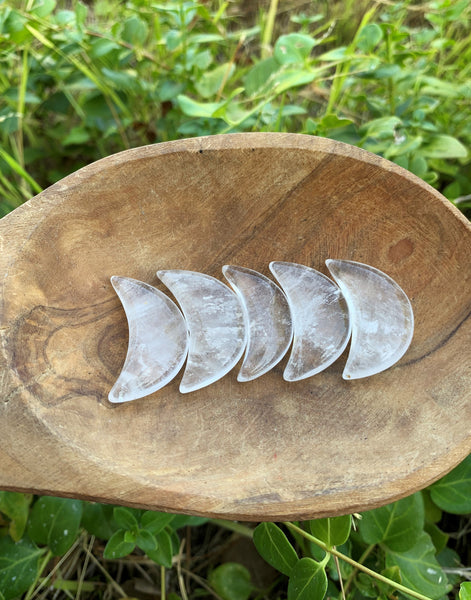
{"type": "Point", "coordinates": [268, 319]}
{"type": "Point", "coordinates": [320, 318]}
{"type": "Point", "coordinates": [158, 340]}
{"type": "Point", "coordinates": [381, 316]}
{"type": "Point", "coordinates": [216, 326]}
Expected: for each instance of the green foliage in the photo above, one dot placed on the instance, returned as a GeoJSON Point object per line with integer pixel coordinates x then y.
{"type": "Point", "coordinates": [419, 567]}
{"type": "Point", "coordinates": [15, 506]}
{"type": "Point", "coordinates": [76, 85]}
{"type": "Point", "coordinates": [147, 530]}
{"type": "Point", "coordinates": [308, 581]}
{"type": "Point", "coordinates": [231, 581]}
{"type": "Point", "coordinates": [396, 525]}
{"type": "Point", "coordinates": [332, 531]}
{"type": "Point", "coordinates": [75, 88]}
{"type": "Point", "coordinates": [396, 547]}
{"type": "Point", "coordinates": [19, 563]}
{"type": "Point", "coordinates": [452, 493]}
{"type": "Point", "coordinates": [275, 548]}
{"type": "Point", "coordinates": [55, 522]}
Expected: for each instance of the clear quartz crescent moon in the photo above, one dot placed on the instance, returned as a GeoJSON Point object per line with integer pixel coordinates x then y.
{"type": "Point", "coordinates": [216, 326]}
{"type": "Point", "coordinates": [381, 316]}
{"type": "Point", "coordinates": [268, 320]}
{"type": "Point", "coordinates": [158, 340]}
{"type": "Point", "coordinates": [320, 318]}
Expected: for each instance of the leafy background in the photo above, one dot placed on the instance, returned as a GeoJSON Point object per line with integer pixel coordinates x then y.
{"type": "Point", "coordinates": [81, 81]}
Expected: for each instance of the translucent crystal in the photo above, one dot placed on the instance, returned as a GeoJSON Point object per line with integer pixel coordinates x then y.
{"type": "Point", "coordinates": [268, 317]}
{"type": "Point", "coordinates": [158, 340]}
{"type": "Point", "coordinates": [320, 319]}
{"type": "Point", "coordinates": [215, 322]}
{"type": "Point", "coordinates": [381, 316]}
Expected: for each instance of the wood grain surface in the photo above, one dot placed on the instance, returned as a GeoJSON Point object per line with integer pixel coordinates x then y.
{"type": "Point", "coordinates": [262, 450]}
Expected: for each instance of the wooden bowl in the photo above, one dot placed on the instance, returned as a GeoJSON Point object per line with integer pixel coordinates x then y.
{"type": "Point", "coordinates": [262, 450]}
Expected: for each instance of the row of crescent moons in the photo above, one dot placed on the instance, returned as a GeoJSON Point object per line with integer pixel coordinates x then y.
{"type": "Point", "coordinates": [307, 311]}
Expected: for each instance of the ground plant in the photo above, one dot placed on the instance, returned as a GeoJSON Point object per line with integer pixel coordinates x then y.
{"type": "Point", "coordinates": [79, 81]}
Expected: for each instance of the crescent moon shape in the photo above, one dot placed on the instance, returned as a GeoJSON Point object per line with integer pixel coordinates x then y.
{"type": "Point", "coordinates": [320, 318]}
{"type": "Point", "coordinates": [268, 320]}
{"type": "Point", "coordinates": [216, 326]}
{"type": "Point", "coordinates": [381, 316]}
{"type": "Point", "coordinates": [158, 340]}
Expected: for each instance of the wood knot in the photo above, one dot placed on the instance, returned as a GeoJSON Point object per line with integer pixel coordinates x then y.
{"type": "Point", "coordinates": [401, 250]}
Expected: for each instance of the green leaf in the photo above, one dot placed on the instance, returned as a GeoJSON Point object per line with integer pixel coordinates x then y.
{"type": "Point", "coordinates": [163, 554]}
{"type": "Point", "coordinates": [130, 537]}
{"type": "Point", "coordinates": [102, 47]}
{"type": "Point", "coordinates": [438, 537]}
{"type": "Point", "coordinates": [16, 507]}
{"type": "Point", "coordinates": [307, 581]}
{"type": "Point", "coordinates": [406, 147]}
{"type": "Point", "coordinates": [419, 568]}
{"type": "Point", "coordinates": [77, 135]}
{"type": "Point", "coordinates": [135, 31]}
{"type": "Point", "coordinates": [231, 581]}
{"type": "Point", "coordinates": [155, 522]}
{"type": "Point", "coordinates": [192, 108]}
{"type": "Point", "coordinates": [274, 547]}
{"type": "Point", "coordinates": [259, 75]}
{"type": "Point", "coordinates": [332, 121]}
{"type": "Point", "coordinates": [19, 563]}
{"type": "Point", "coordinates": [125, 518]}
{"type": "Point", "coordinates": [15, 27]}
{"type": "Point", "coordinates": [443, 146]}
{"type": "Point", "coordinates": [55, 522]}
{"type": "Point", "coordinates": [418, 165]}
{"type": "Point", "coordinates": [121, 80]}
{"type": "Point", "coordinates": [453, 492]}
{"type": "Point", "coordinates": [293, 48]}
{"type": "Point", "coordinates": [382, 127]}
{"type": "Point", "coordinates": [43, 8]}
{"type": "Point", "coordinates": [117, 546]}
{"type": "Point", "coordinates": [98, 520]}
{"type": "Point", "coordinates": [81, 11]}
{"type": "Point", "coordinates": [146, 540]}
{"type": "Point", "coordinates": [333, 531]}
{"type": "Point", "coordinates": [369, 37]}
{"type": "Point", "coordinates": [465, 591]}
{"type": "Point", "coordinates": [290, 79]}
{"type": "Point", "coordinates": [210, 82]}
{"type": "Point", "coordinates": [179, 521]}
{"type": "Point", "coordinates": [367, 586]}
{"type": "Point", "coordinates": [396, 525]}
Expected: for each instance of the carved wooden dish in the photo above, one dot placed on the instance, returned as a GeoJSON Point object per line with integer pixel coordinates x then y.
{"type": "Point", "coordinates": [260, 450]}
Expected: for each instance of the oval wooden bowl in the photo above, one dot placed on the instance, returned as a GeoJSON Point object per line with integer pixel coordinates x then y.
{"type": "Point", "coordinates": [263, 450]}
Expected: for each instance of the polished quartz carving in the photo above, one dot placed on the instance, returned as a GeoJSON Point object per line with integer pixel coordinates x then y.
{"type": "Point", "coordinates": [320, 316]}
{"type": "Point", "coordinates": [268, 320]}
{"type": "Point", "coordinates": [158, 340]}
{"type": "Point", "coordinates": [217, 325]}
{"type": "Point", "coordinates": [381, 317]}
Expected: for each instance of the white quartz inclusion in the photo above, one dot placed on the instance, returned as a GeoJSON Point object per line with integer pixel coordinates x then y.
{"type": "Point", "coordinates": [158, 340]}
{"type": "Point", "coordinates": [381, 316]}
{"type": "Point", "coordinates": [268, 320]}
{"type": "Point", "coordinates": [215, 322]}
{"type": "Point", "coordinates": [320, 319]}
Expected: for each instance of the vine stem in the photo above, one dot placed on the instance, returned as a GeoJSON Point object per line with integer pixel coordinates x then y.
{"type": "Point", "coordinates": [163, 594]}
{"type": "Point", "coordinates": [234, 526]}
{"type": "Point", "coordinates": [361, 560]}
{"type": "Point", "coordinates": [354, 563]}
